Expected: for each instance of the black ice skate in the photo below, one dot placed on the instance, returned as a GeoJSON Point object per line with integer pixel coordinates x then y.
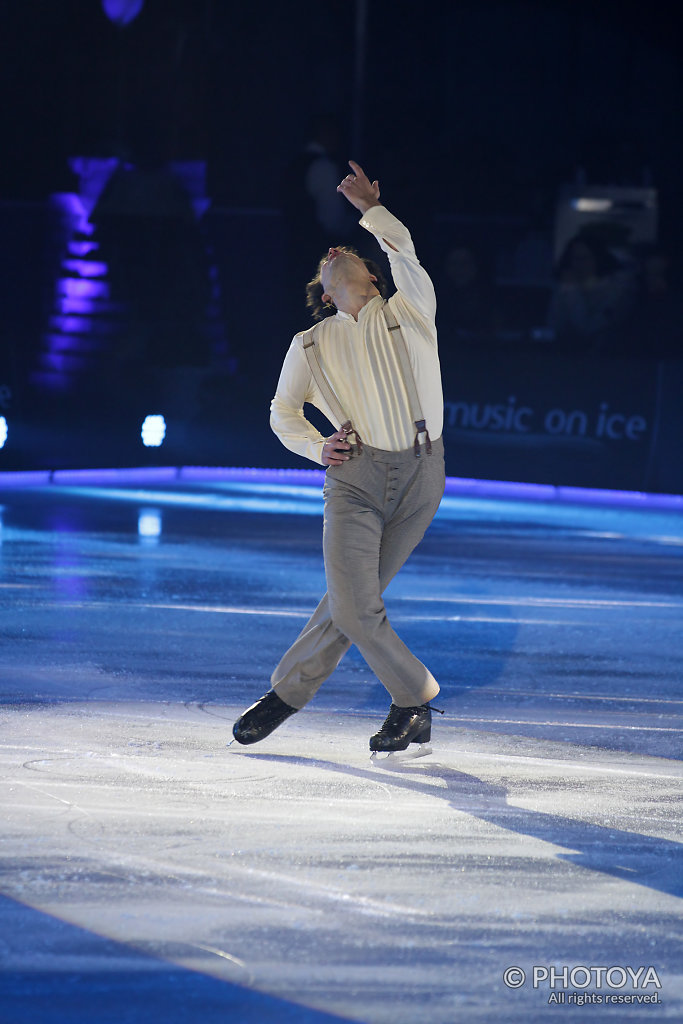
{"type": "Point", "coordinates": [402, 727]}
{"type": "Point", "coordinates": [261, 718]}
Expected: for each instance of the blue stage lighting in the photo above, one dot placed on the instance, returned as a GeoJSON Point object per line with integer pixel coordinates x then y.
{"type": "Point", "coordinates": [122, 12]}
{"type": "Point", "coordinates": [153, 431]}
{"type": "Point", "coordinates": [3, 431]}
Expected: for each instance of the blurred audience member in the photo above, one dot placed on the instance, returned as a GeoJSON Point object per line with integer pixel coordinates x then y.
{"type": "Point", "coordinates": [465, 295]}
{"type": "Point", "coordinates": [314, 211]}
{"type": "Point", "coordinates": [158, 266]}
{"type": "Point", "coordinates": [655, 329]}
{"type": "Point", "coordinates": [592, 298]}
{"type": "Point", "coordinates": [464, 307]}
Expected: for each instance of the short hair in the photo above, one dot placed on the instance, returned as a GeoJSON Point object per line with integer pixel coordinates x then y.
{"type": "Point", "coordinates": [314, 288]}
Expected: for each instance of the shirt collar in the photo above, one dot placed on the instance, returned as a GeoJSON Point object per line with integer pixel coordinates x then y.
{"type": "Point", "coordinates": [371, 303]}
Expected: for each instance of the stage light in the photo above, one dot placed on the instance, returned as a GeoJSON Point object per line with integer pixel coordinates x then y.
{"type": "Point", "coordinates": [590, 204]}
{"type": "Point", "coordinates": [122, 12]}
{"type": "Point", "coordinates": [153, 431]}
{"type": "Point", "coordinates": [3, 431]}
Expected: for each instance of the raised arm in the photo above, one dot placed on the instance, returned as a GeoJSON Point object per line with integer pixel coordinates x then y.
{"type": "Point", "coordinates": [411, 279]}
{"type": "Point", "coordinates": [358, 189]}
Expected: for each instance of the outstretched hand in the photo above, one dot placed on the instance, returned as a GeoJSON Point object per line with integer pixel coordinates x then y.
{"type": "Point", "coordinates": [358, 189]}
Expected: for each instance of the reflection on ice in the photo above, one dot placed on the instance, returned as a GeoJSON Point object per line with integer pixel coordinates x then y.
{"type": "Point", "coordinates": [149, 524]}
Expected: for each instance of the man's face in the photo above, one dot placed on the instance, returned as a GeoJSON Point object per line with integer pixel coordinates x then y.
{"type": "Point", "coordinates": [342, 269]}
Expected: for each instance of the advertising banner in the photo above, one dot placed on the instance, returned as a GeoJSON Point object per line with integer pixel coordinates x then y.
{"type": "Point", "coordinates": [545, 418]}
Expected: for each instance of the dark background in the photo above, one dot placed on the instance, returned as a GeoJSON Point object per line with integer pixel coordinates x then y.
{"type": "Point", "coordinates": [473, 115]}
{"type": "Point", "coordinates": [464, 103]}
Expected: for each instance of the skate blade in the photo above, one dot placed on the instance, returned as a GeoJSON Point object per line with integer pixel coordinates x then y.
{"type": "Point", "coordinates": [412, 751]}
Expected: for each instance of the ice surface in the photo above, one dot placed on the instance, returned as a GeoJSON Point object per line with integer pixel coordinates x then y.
{"type": "Point", "coordinates": [151, 873]}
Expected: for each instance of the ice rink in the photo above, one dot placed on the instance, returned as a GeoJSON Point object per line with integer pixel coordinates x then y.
{"type": "Point", "coordinates": [152, 874]}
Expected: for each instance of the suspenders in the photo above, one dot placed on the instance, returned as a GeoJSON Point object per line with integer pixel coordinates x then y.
{"type": "Point", "coordinates": [407, 374]}
{"type": "Point", "coordinates": [409, 382]}
{"type": "Point", "coordinates": [325, 389]}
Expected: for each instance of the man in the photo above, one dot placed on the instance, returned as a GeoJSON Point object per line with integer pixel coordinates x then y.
{"type": "Point", "coordinates": [373, 368]}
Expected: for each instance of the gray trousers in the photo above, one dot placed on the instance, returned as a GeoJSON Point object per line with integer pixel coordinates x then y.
{"type": "Point", "coordinates": [377, 508]}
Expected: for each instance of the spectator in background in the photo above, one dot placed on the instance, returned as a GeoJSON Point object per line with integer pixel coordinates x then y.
{"type": "Point", "coordinates": [592, 298]}
{"type": "Point", "coordinates": [466, 299]}
{"type": "Point", "coordinates": [466, 312]}
{"type": "Point", "coordinates": [314, 211]}
{"type": "Point", "coordinates": [655, 329]}
{"type": "Point", "coordinates": [158, 267]}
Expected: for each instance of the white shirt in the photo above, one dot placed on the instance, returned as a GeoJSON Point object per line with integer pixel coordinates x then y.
{"type": "Point", "coordinates": [360, 361]}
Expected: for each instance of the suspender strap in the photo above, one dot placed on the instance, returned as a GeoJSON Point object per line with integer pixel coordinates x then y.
{"type": "Point", "coordinates": [326, 391]}
{"type": "Point", "coordinates": [328, 394]}
{"type": "Point", "coordinates": [409, 382]}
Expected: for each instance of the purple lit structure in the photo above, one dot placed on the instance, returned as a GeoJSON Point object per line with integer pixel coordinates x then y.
{"type": "Point", "coordinates": [122, 12]}
{"type": "Point", "coordinates": [81, 321]}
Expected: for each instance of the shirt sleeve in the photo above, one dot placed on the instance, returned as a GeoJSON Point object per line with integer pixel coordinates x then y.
{"type": "Point", "coordinates": [287, 418]}
{"type": "Point", "coordinates": [411, 279]}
